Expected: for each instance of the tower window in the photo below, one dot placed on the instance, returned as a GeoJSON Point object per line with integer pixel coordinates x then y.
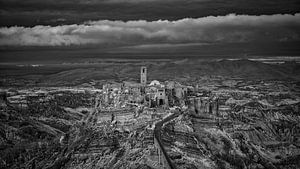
{"type": "Point", "coordinates": [143, 70]}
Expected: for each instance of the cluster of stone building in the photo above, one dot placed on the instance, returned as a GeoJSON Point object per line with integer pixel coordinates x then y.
{"type": "Point", "coordinates": [154, 94]}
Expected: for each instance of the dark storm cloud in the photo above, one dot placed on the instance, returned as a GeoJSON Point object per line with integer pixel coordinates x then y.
{"type": "Point", "coordinates": [48, 12]}
{"type": "Point", "coordinates": [221, 29]}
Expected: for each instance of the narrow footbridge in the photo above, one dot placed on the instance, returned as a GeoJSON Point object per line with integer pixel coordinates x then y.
{"type": "Point", "coordinates": [163, 158]}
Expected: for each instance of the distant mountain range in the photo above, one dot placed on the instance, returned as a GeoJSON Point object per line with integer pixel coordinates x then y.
{"type": "Point", "coordinates": [73, 74]}
{"type": "Point", "coordinates": [238, 68]}
{"type": "Point", "coordinates": [252, 69]}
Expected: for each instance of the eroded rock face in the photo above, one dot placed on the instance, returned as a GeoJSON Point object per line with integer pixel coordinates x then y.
{"type": "Point", "coordinates": [65, 132]}
{"type": "Point", "coordinates": [64, 129]}
{"type": "Point", "coordinates": [243, 140]}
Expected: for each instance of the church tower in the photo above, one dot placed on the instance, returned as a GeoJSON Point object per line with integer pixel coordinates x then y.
{"type": "Point", "coordinates": [143, 75]}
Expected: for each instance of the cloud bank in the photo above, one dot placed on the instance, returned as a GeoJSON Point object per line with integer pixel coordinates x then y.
{"type": "Point", "coordinates": [30, 13]}
{"type": "Point", "coordinates": [219, 29]}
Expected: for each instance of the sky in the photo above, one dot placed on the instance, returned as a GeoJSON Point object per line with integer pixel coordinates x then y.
{"type": "Point", "coordinates": [130, 26]}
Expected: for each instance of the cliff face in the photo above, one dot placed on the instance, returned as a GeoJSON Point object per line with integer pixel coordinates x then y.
{"type": "Point", "coordinates": [237, 139]}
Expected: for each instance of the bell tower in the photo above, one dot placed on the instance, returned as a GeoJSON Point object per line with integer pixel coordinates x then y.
{"type": "Point", "coordinates": [143, 75]}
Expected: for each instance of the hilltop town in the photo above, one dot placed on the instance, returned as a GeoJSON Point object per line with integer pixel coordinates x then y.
{"type": "Point", "coordinates": [212, 122]}
{"type": "Point", "coordinates": [154, 94]}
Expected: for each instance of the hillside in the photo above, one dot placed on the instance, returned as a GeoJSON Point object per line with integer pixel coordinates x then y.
{"type": "Point", "coordinates": [74, 74]}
